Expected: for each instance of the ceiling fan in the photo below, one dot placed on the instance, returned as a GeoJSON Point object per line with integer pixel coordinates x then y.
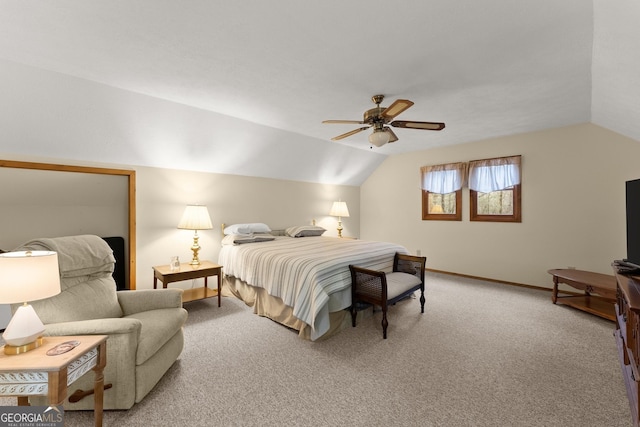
{"type": "Point", "coordinates": [379, 116]}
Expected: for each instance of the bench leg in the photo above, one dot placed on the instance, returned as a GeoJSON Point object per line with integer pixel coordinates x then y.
{"type": "Point", "coordinates": [385, 323]}
{"type": "Point", "coordinates": [354, 313]}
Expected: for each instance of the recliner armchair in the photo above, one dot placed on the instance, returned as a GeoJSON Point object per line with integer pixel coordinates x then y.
{"type": "Point", "coordinates": [384, 289]}
{"type": "Point", "coordinates": [144, 327]}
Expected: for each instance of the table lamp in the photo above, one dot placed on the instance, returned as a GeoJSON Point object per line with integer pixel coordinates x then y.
{"type": "Point", "coordinates": [195, 217]}
{"type": "Point", "coordinates": [340, 210]}
{"type": "Point", "coordinates": [26, 276]}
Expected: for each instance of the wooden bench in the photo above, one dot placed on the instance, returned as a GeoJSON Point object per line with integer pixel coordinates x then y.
{"type": "Point", "coordinates": [599, 291]}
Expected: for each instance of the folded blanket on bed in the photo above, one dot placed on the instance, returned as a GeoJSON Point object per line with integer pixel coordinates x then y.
{"type": "Point", "coordinates": [77, 255]}
{"type": "Point", "coordinates": [238, 239]}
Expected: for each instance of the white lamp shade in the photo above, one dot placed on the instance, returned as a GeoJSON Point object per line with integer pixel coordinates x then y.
{"type": "Point", "coordinates": [339, 209]}
{"type": "Point", "coordinates": [28, 276]}
{"type": "Point", "coordinates": [379, 138]}
{"type": "Point", "coordinates": [195, 217]}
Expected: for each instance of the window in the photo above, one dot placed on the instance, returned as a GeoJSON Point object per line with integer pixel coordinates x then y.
{"type": "Point", "coordinates": [442, 191]}
{"type": "Point", "coordinates": [495, 189]}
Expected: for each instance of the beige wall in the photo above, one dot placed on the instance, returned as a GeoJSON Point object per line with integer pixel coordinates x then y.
{"type": "Point", "coordinates": [163, 193]}
{"type": "Point", "coordinates": [161, 196]}
{"type": "Point", "coordinates": [573, 206]}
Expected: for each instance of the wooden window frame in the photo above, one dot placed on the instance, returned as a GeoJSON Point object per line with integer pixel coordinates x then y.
{"type": "Point", "coordinates": [441, 216]}
{"type": "Point", "coordinates": [517, 208]}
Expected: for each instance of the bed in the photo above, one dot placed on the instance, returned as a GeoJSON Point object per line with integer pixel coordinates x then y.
{"type": "Point", "coordinates": [301, 282]}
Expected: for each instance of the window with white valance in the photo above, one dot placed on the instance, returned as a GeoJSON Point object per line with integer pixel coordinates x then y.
{"type": "Point", "coordinates": [495, 189]}
{"type": "Point", "coordinates": [443, 179]}
{"type": "Point", "coordinates": [494, 174]}
{"type": "Point", "coordinates": [442, 191]}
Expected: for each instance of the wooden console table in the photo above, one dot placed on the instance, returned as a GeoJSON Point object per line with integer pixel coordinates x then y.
{"type": "Point", "coordinates": [35, 373]}
{"type": "Point", "coordinates": [188, 272]}
{"type": "Point", "coordinates": [599, 291]}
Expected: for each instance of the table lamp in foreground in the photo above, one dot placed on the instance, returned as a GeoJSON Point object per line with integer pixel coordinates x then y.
{"type": "Point", "coordinates": [26, 276]}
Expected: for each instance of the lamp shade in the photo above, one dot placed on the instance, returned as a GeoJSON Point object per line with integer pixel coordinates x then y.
{"type": "Point", "coordinates": [339, 209]}
{"type": "Point", "coordinates": [28, 276]}
{"type": "Point", "coordinates": [379, 137]}
{"type": "Point", "coordinates": [195, 217]}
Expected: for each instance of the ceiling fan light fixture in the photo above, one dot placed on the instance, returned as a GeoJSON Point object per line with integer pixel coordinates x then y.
{"type": "Point", "coordinates": [379, 137]}
{"type": "Point", "coordinates": [379, 117]}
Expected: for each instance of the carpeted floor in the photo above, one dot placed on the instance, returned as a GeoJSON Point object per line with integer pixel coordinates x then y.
{"type": "Point", "coordinates": [483, 354]}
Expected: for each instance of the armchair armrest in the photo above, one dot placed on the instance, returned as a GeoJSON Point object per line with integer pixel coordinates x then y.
{"type": "Point", "coordinates": [109, 326]}
{"type": "Point", "coordinates": [149, 299]}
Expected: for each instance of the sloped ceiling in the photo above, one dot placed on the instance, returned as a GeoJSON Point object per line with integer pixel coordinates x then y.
{"type": "Point", "coordinates": [485, 68]}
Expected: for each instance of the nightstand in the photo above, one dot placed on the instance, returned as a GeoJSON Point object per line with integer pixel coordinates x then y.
{"type": "Point", "coordinates": [36, 373]}
{"type": "Point", "coordinates": [188, 272]}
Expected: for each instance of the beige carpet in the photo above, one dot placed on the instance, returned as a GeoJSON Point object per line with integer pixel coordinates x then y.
{"type": "Point", "coordinates": [483, 354]}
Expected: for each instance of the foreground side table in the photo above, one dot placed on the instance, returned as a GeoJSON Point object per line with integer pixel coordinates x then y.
{"type": "Point", "coordinates": [36, 374]}
{"type": "Point", "coordinates": [188, 272]}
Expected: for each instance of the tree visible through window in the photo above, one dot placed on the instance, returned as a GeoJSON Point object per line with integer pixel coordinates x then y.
{"type": "Point", "coordinates": [495, 189]}
{"type": "Point", "coordinates": [442, 191]}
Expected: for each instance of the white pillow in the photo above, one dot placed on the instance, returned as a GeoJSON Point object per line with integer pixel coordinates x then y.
{"type": "Point", "coordinates": [304, 231]}
{"type": "Point", "coordinates": [255, 227]}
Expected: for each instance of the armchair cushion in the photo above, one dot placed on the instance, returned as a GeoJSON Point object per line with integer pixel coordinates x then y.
{"type": "Point", "coordinates": [86, 263]}
{"type": "Point", "coordinates": [158, 326]}
{"type": "Point", "coordinates": [94, 299]}
{"type": "Point", "coordinates": [78, 256]}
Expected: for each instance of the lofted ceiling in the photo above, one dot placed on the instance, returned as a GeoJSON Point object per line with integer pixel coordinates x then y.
{"type": "Point", "coordinates": [485, 68]}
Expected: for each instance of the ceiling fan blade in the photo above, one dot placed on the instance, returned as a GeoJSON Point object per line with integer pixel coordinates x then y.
{"type": "Point", "coordinates": [398, 106]}
{"type": "Point", "coordinates": [392, 136]}
{"type": "Point", "coordinates": [353, 132]}
{"type": "Point", "coordinates": [352, 122]}
{"type": "Point", "coordinates": [417, 125]}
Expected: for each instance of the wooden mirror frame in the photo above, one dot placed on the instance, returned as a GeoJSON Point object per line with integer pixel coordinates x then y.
{"type": "Point", "coordinates": [130, 174]}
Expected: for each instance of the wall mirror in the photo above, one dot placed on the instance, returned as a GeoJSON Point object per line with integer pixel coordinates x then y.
{"type": "Point", "coordinates": [50, 200]}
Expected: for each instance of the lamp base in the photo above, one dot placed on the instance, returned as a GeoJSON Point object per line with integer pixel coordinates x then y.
{"type": "Point", "coordinates": [19, 349]}
{"type": "Point", "coordinates": [195, 248]}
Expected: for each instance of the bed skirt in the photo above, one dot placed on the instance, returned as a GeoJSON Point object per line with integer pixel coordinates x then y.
{"type": "Point", "coordinates": [273, 308]}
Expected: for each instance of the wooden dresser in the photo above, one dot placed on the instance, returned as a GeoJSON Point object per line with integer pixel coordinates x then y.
{"type": "Point", "coordinates": [627, 335]}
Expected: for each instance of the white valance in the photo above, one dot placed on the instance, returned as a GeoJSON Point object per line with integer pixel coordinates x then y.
{"type": "Point", "coordinates": [443, 179]}
{"type": "Point", "coordinates": [490, 175]}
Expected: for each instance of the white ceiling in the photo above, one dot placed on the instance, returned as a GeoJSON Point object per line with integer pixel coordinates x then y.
{"type": "Point", "coordinates": [485, 68]}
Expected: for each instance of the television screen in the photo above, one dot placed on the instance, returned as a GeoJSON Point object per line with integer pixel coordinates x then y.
{"type": "Point", "coordinates": [633, 222]}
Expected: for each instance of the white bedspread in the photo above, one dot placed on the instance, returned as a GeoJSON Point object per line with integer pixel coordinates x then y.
{"type": "Point", "coordinates": [305, 272]}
